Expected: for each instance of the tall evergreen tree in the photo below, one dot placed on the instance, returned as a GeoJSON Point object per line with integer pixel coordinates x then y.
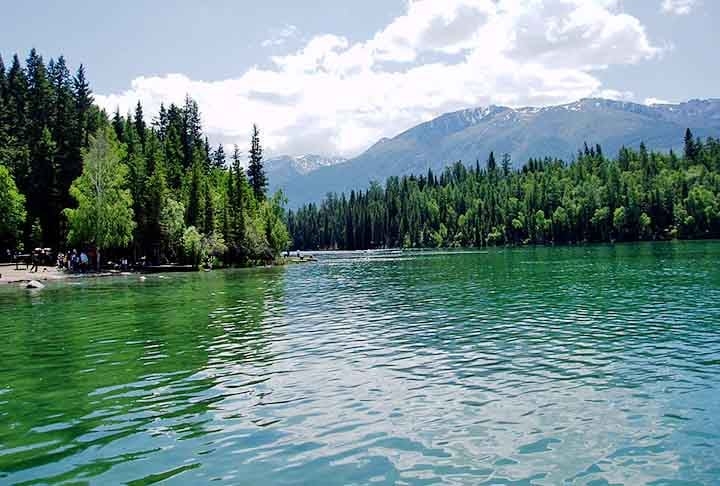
{"type": "Point", "coordinates": [691, 151]}
{"type": "Point", "coordinates": [491, 164]}
{"type": "Point", "coordinates": [256, 172]}
{"type": "Point", "coordinates": [194, 215]}
{"type": "Point", "coordinates": [136, 181]}
{"type": "Point", "coordinates": [140, 124]}
{"type": "Point", "coordinates": [218, 157]}
{"type": "Point", "coordinates": [506, 164]}
{"type": "Point", "coordinates": [83, 103]}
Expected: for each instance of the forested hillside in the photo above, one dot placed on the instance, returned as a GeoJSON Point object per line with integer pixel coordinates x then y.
{"type": "Point", "coordinates": [72, 175]}
{"type": "Point", "coordinates": [523, 133]}
{"type": "Point", "coordinates": [638, 195]}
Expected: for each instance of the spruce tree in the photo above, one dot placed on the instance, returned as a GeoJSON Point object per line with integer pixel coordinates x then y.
{"type": "Point", "coordinates": [690, 146]}
{"type": "Point", "coordinates": [3, 114]}
{"type": "Point", "coordinates": [83, 103]}
{"type": "Point", "coordinates": [3, 79]}
{"type": "Point", "coordinates": [491, 163]}
{"type": "Point", "coordinates": [209, 222]}
{"type": "Point", "coordinates": [237, 186]}
{"type": "Point", "coordinates": [194, 216]}
{"type": "Point", "coordinates": [218, 157]}
{"type": "Point", "coordinates": [506, 164]}
{"type": "Point", "coordinates": [118, 125]}
{"type": "Point", "coordinates": [140, 124]}
{"type": "Point", "coordinates": [62, 127]}
{"type": "Point", "coordinates": [256, 172]}
{"type": "Point", "coordinates": [155, 200]}
{"type": "Point", "coordinates": [16, 149]}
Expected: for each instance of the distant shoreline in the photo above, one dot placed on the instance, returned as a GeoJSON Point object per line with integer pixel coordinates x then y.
{"type": "Point", "coordinates": [10, 276]}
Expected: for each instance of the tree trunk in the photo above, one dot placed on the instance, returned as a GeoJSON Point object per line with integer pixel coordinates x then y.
{"type": "Point", "coordinates": [98, 260]}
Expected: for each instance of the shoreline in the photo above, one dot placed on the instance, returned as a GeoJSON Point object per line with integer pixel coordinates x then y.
{"type": "Point", "coordinates": [10, 276]}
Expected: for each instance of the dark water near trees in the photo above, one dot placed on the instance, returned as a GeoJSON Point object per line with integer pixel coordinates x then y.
{"type": "Point", "coordinates": [532, 366]}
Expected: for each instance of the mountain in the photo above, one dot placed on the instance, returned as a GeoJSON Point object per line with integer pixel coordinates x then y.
{"type": "Point", "coordinates": [470, 135]}
{"type": "Point", "coordinates": [284, 169]}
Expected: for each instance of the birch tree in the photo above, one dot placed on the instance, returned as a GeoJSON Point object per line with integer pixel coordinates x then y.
{"type": "Point", "coordinates": [104, 215]}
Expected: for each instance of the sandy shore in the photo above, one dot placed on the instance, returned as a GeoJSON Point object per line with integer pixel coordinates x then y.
{"type": "Point", "coordinates": [8, 274]}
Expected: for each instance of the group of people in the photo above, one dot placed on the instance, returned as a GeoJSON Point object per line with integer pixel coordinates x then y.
{"type": "Point", "coordinates": [73, 261]}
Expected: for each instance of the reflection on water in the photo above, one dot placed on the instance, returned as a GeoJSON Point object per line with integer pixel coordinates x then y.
{"type": "Point", "coordinates": [531, 366]}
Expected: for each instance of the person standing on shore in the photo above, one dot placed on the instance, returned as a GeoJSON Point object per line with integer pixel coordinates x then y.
{"type": "Point", "coordinates": [34, 261]}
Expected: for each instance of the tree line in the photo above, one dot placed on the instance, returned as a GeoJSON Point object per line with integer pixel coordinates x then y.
{"type": "Point", "coordinates": [638, 195]}
{"type": "Point", "coordinates": [70, 174]}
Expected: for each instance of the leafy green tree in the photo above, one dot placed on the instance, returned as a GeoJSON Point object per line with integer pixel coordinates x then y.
{"type": "Point", "coordinates": [276, 233]}
{"type": "Point", "coordinates": [103, 216]}
{"type": "Point", "coordinates": [172, 223]}
{"type": "Point", "coordinates": [166, 167]}
{"type": "Point", "coordinates": [12, 209]}
{"type": "Point", "coordinates": [619, 220]}
{"type": "Point", "coordinates": [645, 225]}
{"type": "Point", "coordinates": [192, 245]}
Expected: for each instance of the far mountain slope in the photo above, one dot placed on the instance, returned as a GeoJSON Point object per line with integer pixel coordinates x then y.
{"type": "Point", "coordinates": [469, 135]}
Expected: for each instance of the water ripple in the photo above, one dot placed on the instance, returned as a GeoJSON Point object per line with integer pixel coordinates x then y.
{"type": "Point", "coordinates": [590, 365]}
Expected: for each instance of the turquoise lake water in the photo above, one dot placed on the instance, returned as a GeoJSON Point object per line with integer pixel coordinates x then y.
{"type": "Point", "coordinates": [585, 365]}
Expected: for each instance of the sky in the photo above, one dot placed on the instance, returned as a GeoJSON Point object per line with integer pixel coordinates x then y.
{"type": "Point", "coordinates": [332, 78]}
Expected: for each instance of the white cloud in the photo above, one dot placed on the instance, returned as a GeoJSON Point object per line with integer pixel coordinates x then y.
{"type": "Point", "coordinates": [279, 37]}
{"type": "Point", "coordinates": [678, 7]}
{"type": "Point", "coordinates": [656, 101]}
{"type": "Point", "coordinates": [613, 94]}
{"type": "Point", "coordinates": [336, 96]}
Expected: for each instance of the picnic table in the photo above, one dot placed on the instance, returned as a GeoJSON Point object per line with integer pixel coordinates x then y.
{"type": "Point", "coordinates": [22, 259]}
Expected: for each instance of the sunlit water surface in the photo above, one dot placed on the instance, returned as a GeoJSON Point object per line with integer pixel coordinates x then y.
{"type": "Point", "coordinates": [595, 365]}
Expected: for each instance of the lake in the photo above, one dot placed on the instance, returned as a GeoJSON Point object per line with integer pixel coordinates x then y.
{"type": "Point", "coordinates": [577, 365]}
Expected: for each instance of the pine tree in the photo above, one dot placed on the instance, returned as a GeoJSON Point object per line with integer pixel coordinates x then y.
{"type": "Point", "coordinates": [194, 215]}
{"type": "Point", "coordinates": [42, 149]}
{"type": "Point", "coordinates": [491, 164]}
{"type": "Point", "coordinates": [191, 131]}
{"type": "Point", "coordinates": [118, 125]}
{"type": "Point", "coordinates": [218, 157]}
{"type": "Point", "coordinates": [136, 180]}
{"type": "Point", "coordinates": [174, 152]}
{"type": "Point", "coordinates": [209, 222]}
{"type": "Point", "coordinates": [506, 164]}
{"type": "Point", "coordinates": [62, 127]}
{"type": "Point", "coordinates": [237, 187]}
{"type": "Point", "coordinates": [83, 103]}
{"type": "Point", "coordinates": [155, 200]}
{"type": "Point", "coordinates": [140, 124]}
{"type": "Point", "coordinates": [16, 151]}
{"type": "Point", "coordinates": [3, 79]}
{"type": "Point", "coordinates": [256, 172]}
{"type": "Point", "coordinates": [691, 151]}
{"type": "Point", "coordinates": [4, 121]}
{"type": "Point", "coordinates": [39, 97]}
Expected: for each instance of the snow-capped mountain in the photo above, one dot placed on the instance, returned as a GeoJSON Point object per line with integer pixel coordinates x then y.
{"type": "Point", "coordinates": [470, 135]}
{"type": "Point", "coordinates": [283, 170]}
{"type": "Point", "coordinates": [302, 164]}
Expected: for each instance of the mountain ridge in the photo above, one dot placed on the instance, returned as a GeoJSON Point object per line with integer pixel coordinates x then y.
{"type": "Point", "coordinates": [470, 134]}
